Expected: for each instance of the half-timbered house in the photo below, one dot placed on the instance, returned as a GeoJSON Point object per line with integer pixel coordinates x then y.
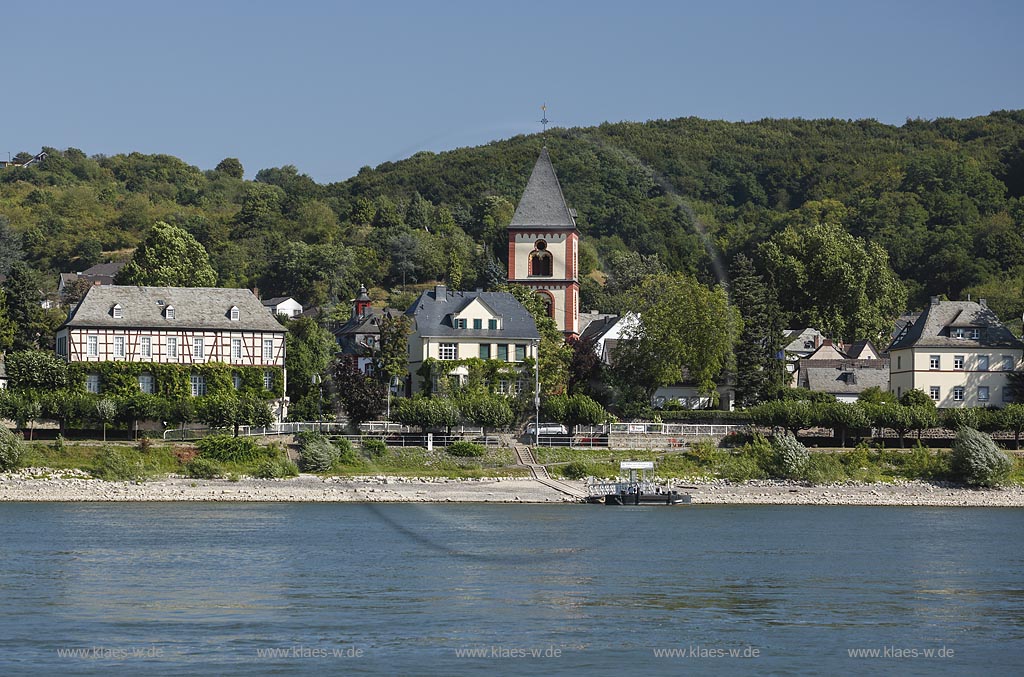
{"type": "Point", "coordinates": [173, 325]}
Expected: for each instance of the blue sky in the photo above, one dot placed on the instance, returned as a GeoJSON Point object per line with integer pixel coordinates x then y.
{"type": "Point", "coordinates": [333, 86]}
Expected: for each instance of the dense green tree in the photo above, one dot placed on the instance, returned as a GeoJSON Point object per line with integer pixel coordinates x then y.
{"type": "Point", "coordinates": [231, 410]}
{"type": "Point", "coordinates": [169, 257]}
{"type": "Point", "coordinates": [487, 411]}
{"type": "Point", "coordinates": [682, 328]}
{"type": "Point", "coordinates": [36, 371]}
{"type": "Point", "coordinates": [310, 349]}
{"type": "Point", "coordinates": [760, 369]}
{"type": "Point", "coordinates": [230, 166]}
{"type": "Point", "coordinates": [10, 245]}
{"type": "Point", "coordinates": [363, 398]}
{"type": "Point", "coordinates": [23, 308]}
{"type": "Point", "coordinates": [7, 328]}
{"type": "Point", "coordinates": [835, 282]}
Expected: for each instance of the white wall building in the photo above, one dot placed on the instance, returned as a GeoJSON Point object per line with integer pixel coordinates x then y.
{"type": "Point", "coordinates": [958, 353]}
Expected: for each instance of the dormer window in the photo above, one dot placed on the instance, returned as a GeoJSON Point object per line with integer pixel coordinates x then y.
{"type": "Point", "coordinates": [117, 311]}
{"type": "Point", "coordinates": [233, 313]}
{"type": "Point", "coordinates": [460, 323]}
{"type": "Point", "coordinates": [169, 312]}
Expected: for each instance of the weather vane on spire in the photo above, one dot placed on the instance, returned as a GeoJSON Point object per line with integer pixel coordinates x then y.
{"type": "Point", "coordinates": [544, 116]}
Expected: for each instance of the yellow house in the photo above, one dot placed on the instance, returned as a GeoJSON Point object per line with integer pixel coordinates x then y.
{"type": "Point", "coordinates": [452, 326]}
{"type": "Point", "coordinates": [958, 353]}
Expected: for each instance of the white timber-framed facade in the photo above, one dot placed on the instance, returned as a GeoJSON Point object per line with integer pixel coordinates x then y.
{"type": "Point", "coordinates": [173, 326]}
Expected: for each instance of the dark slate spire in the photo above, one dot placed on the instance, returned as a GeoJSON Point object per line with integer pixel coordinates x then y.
{"type": "Point", "coordinates": [542, 204]}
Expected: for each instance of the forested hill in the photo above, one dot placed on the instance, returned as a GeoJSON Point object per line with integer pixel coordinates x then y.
{"type": "Point", "coordinates": [942, 197]}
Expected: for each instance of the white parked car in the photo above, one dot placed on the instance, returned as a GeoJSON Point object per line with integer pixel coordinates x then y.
{"type": "Point", "coordinates": [547, 429]}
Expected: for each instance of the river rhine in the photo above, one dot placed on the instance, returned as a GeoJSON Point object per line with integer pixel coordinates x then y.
{"type": "Point", "coordinates": [273, 588]}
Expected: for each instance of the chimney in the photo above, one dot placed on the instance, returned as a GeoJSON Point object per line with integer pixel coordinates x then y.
{"type": "Point", "coordinates": [934, 301]}
{"type": "Point", "coordinates": [440, 292]}
{"type": "Point", "coordinates": [983, 303]}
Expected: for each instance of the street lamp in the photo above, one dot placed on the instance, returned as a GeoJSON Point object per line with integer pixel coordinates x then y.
{"type": "Point", "coordinates": [318, 382]}
{"type": "Point", "coordinates": [536, 392]}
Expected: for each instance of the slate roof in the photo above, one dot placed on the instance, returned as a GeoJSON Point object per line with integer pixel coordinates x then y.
{"type": "Point", "coordinates": [543, 204]}
{"type": "Point", "coordinates": [431, 314]}
{"type": "Point", "coordinates": [840, 381]}
{"type": "Point", "coordinates": [931, 330]}
{"type": "Point", "coordinates": [194, 308]}
{"type": "Point", "coordinates": [593, 326]}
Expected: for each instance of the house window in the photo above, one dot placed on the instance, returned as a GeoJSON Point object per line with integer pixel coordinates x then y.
{"type": "Point", "coordinates": [933, 392]}
{"type": "Point", "coordinates": [1007, 395]}
{"type": "Point", "coordinates": [169, 312]}
{"type": "Point", "coordinates": [198, 382]}
{"type": "Point", "coordinates": [268, 350]}
{"type": "Point", "coordinates": [808, 345]}
{"type": "Point", "coordinates": [983, 393]}
{"type": "Point", "coordinates": [958, 361]}
{"type": "Point", "coordinates": [92, 383]}
{"type": "Point", "coordinates": [1008, 362]}
{"type": "Point", "coordinates": [492, 324]}
{"type": "Point", "coordinates": [982, 362]}
{"type": "Point", "coordinates": [956, 333]}
{"type": "Point", "coordinates": [118, 346]}
{"type": "Point", "coordinates": [234, 314]}
{"type": "Point", "coordinates": [146, 346]}
{"type": "Point", "coordinates": [485, 351]}
{"type": "Point", "coordinates": [503, 387]}
{"type": "Point", "coordinates": [933, 362]}
{"type": "Point", "coordinates": [520, 385]}
{"type": "Point", "coordinates": [62, 346]}
{"type": "Point", "coordinates": [460, 324]}
{"type": "Point", "coordinates": [268, 380]}
{"type": "Point", "coordinates": [520, 352]}
{"type": "Point", "coordinates": [146, 383]}
{"type": "Point", "coordinates": [198, 348]}
{"type": "Point", "coordinates": [92, 346]}
{"type": "Point", "coordinates": [236, 349]}
{"type": "Point", "coordinates": [236, 381]}
{"type": "Point", "coordinates": [975, 334]}
{"type": "Point", "coordinates": [117, 311]}
{"type": "Point", "coordinates": [899, 361]}
{"type": "Point", "coordinates": [448, 351]}
{"type": "Point", "coordinates": [503, 352]}
{"type": "Point", "coordinates": [958, 394]}
{"type": "Point", "coordinates": [172, 348]}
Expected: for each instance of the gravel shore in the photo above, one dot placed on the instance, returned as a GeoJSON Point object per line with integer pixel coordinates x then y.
{"type": "Point", "coordinates": [41, 484]}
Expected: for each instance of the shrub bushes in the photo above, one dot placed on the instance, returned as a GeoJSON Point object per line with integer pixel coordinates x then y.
{"type": "Point", "coordinates": [228, 449]}
{"type": "Point", "coordinates": [374, 447]}
{"type": "Point", "coordinates": [466, 449]}
{"type": "Point", "coordinates": [577, 470]}
{"type": "Point", "coordinates": [790, 457]}
{"type": "Point", "coordinates": [977, 461]}
{"type": "Point", "coordinates": [11, 449]}
{"type": "Point", "coordinates": [277, 467]}
{"type": "Point", "coordinates": [317, 455]}
{"type": "Point", "coordinates": [203, 469]}
{"type": "Point", "coordinates": [119, 465]}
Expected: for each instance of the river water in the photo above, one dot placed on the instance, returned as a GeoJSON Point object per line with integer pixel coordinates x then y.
{"type": "Point", "coordinates": [279, 588]}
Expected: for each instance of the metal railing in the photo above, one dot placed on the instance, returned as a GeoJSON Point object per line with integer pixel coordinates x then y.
{"type": "Point", "coordinates": [643, 428]}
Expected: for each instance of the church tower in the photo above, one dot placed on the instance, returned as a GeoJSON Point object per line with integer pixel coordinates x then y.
{"type": "Point", "coordinates": [543, 246]}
